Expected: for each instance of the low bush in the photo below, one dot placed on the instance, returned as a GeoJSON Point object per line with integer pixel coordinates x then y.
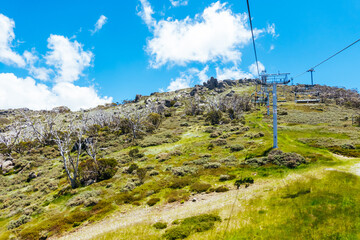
{"type": "Point", "coordinates": [222, 189]}
{"type": "Point", "coordinates": [133, 152]}
{"type": "Point", "coordinates": [214, 117]}
{"type": "Point", "coordinates": [191, 225]}
{"type": "Point", "coordinates": [82, 198]}
{"type": "Point", "coordinates": [153, 201]}
{"type": "Point", "coordinates": [277, 157]}
{"type": "Point", "coordinates": [182, 171]}
{"type": "Point", "coordinates": [215, 134]}
{"type": "Point", "coordinates": [20, 221]}
{"type": "Point", "coordinates": [154, 119]}
{"type": "Point", "coordinates": [132, 168]}
{"type": "Point", "coordinates": [178, 196]}
{"type": "Point", "coordinates": [160, 225]}
{"type": "Point", "coordinates": [236, 148]}
{"type": "Point", "coordinates": [178, 183]}
{"type": "Point", "coordinates": [246, 181]}
{"type": "Point", "coordinates": [224, 178]}
{"type": "Point", "coordinates": [219, 142]}
{"type": "Point", "coordinates": [212, 165]}
{"type": "Point", "coordinates": [200, 187]}
{"type": "Point", "coordinates": [107, 168]}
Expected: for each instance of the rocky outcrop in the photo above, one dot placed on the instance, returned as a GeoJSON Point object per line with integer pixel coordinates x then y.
{"type": "Point", "coordinates": [6, 164]}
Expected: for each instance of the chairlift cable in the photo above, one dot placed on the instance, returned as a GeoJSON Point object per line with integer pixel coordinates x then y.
{"type": "Point", "coordinates": [328, 58]}
{"type": "Point", "coordinates": [253, 38]}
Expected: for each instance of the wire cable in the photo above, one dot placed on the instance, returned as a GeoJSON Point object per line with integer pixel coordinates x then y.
{"type": "Point", "coordinates": [328, 58]}
{"type": "Point", "coordinates": [253, 38]}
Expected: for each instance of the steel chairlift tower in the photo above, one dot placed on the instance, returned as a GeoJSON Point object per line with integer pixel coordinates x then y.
{"type": "Point", "coordinates": [274, 80]}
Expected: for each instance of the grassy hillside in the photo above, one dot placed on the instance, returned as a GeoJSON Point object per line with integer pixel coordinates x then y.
{"type": "Point", "coordinates": [180, 171]}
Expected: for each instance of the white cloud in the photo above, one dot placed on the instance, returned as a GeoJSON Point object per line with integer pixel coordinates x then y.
{"type": "Point", "coordinates": [7, 35]}
{"type": "Point", "coordinates": [272, 47]}
{"type": "Point", "coordinates": [184, 81]}
{"type": "Point", "coordinates": [25, 92]}
{"type": "Point", "coordinates": [215, 34]}
{"type": "Point", "coordinates": [68, 58]}
{"type": "Point", "coordinates": [99, 24]}
{"type": "Point", "coordinates": [40, 73]}
{"type": "Point", "coordinates": [271, 30]}
{"type": "Point", "coordinates": [253, 68]}
{"type": "Point", "coordinates": [177, 3]}
{"type": "Point", "coordinates": [146, 13]}
{"type": "Point", "coordinates": [232, 73]}
{"type": "Point", "coordinates": [188, 78]}
{"type": "Point", "coordinates": [203, 77]}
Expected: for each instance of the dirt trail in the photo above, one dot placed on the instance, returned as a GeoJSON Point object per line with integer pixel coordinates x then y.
{"type": "Point", "coordinates": [204, 203]}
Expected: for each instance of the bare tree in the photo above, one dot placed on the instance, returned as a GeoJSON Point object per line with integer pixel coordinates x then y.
{"type": "Point", "coordinates": [11, 137]}
{"type": "Point", "coordinates": [135, 119]}
{"type": "Point", "coordinates": [65, 137]}
{"type": "Point", "coordinates": [192, 107]}
{"type": "Point", "coordinates": [101, 118]}
{"type": "Point", "coordinates": [42, 131]}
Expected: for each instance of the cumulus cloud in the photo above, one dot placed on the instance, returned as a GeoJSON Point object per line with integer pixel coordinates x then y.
{"type": "Point", "coordinates": [215, 34]}
{"type": "Point", "coordinates": [7, 35]}
{"type": "Point", "coordinates": [189, 78]}
{"type": "Point", "coordinates": [68, 58]}
{"type": "Point", "coordinates": [40, 73]}
{"type": "Point", "coordinates": [181, 82]}
{"type": "Point", "coordinates": [66, 61]}
{"type": "Point", "coordinates": [233, 73]}
{"type": "Point", "coordinates": [99, 24]}
{"type": "Point", "coordinates": [146, 13]}
{"type": "Point", "coordinates": [177, 3]}
{"type": "Point", "coordinates": [25, 92]}
{"type": "Point", "coordinates": [203, 77]}
{"type": "Point", "coordinates": [253, 68]}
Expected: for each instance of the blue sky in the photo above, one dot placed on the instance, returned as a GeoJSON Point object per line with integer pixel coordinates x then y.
{"type": "Point", "coordinates": [85, 53]}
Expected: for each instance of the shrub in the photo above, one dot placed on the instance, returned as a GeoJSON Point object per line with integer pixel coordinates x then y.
{"type": "Point", "coordinates": [210, 146]}
{"type": "Point", "coordinates": [191, 225]}
{"type": "Point", "coordinates": [182, 171]}
{"type": "Point", "coordinates": [132, 168]}
{"type": "Point", "coordinates": [20, 221]}
{"type": "Point", "coordinates": [215, 134]}
{"type": "Point", "coordinates": [178, 232]}
{"type": "Point", "coordinates": [162, 157]}
{"type": "Point", "coordinates": [290, 160]}
{"type": "Point", "coordinates": [153, 201]}
{"type": "Point", "coordinates": [212, 165]}
{"type": "Point", "coordinates": [221, 189]}
{"type": "Point", "coordinates": [82, 198]}
{"type": "Point", "coordinates": [199, 187]}
{"type": "Point", "coordinates": [154, 119]}
{"type": "Point", "coordinates": [178, 195]}
{"type": "Point", "coordinates": [77, 216]}
{"type": "Point", "coordinates": [160, 225]}
{"type": "Point", "coordinates": [219, 142]}
{"type": "Point", "coordinates": [153, 173]}
{"type": "Point", "coordinates": [247, 181]}
{"type": "Point", "coordinates": [133, 152]}
{"type": "Point", "coordinates": [224, 178]}
{"type": "Point", "coordinates": [90, 172]}
{"type": "Point", "coordinates": [141, 173]}
{"type": "Point", "coordinates": [107, 168]}
{"type": "Point", "coordinates": [178, 183]}
{"type": "Point", "coordinates": [236, 148]}
{"type": "Point", "coordinates": [213, 117]}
